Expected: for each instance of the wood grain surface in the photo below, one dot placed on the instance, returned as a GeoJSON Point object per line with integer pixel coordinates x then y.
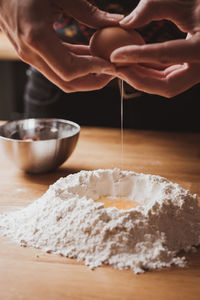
{"type": "Point", "coordinates": [28, 274]}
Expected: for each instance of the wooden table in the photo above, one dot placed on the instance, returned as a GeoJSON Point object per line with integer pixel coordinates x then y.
{"type": "Point", "coordinates": [28, 274]}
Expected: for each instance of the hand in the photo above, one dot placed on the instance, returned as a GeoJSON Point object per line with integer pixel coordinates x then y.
{"type": "Point", "coordinates": [182, 55]}
{"type": "Point", "coordinates": [167, 82]}
{"type": "Point", "coordinates": [29, 26]}
{"type": "Point", "coordinates": [88, 82]}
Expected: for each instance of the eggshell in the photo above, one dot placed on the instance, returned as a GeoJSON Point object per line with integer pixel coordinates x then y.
{"type": "Point", "coordinates": [106, 40]}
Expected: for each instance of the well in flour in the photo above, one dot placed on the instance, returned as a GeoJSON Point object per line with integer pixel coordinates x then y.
{"type": "Point", "coordinates": [69, 220]}
{"type": "Point", "coordinates": [118, 202]}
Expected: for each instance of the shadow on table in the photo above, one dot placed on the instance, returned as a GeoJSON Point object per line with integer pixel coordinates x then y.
{"type": "Point", "coordinates": [50, 177]}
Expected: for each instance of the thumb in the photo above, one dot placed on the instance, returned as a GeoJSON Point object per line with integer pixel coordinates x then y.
{"type": "Point", "coordinates": [144, 13]}
{"type": "Point", "coordinates": [89, 14]}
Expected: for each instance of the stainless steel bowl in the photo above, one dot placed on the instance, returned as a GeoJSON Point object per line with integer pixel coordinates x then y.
{"type": "Point", "coordinates": [38, 145]}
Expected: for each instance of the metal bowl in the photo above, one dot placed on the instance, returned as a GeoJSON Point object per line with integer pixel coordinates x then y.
{"type": "Point", "coordinates": [38, 145]}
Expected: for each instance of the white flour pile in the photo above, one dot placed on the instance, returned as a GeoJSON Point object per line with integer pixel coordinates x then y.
{"type": "Point", "coordinates": [66, 220]}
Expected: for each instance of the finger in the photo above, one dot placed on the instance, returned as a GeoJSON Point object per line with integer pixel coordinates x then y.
{"type": "Point", "coordinates": [35, 60]}
{"type": "Point", "coordinates": [90, 15]}
{"type": "Point", "coordinates": [65, 64]}
{"type": "Point", "coordinates": [156, 66]}
{"type": "Point", "coordinates": [168, 84]}
{"type": "Point", "coordinates": [173, 68]}
{"type": "Point", "coordinates": [77, 49]}
{"type": "Point", "coordinates": [85, 83]}
{"type": "Point", "coordinates": [141, 79]}
{"type": "Point", "coordinates": [141, 71]}
{"type": "Point", "coordinates": [176, 51]}
{"type": "Point", "coordinates": [42, 67]}
{"type": "Point", "coordinates": [144, 13]}
{"type": "Point", "coordinates": [182, 78]}
{"type": "Point", "coordinates": [89, 82]}
{"type": "Point", "coordinates": [148, 11]}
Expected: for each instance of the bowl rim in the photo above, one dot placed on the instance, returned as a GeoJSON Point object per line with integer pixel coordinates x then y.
{"type": "Point", "coordinates": [76, 125]}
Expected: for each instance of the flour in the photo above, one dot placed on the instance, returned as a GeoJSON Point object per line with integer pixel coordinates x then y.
{"type": "Point", "coordinates": [66, 220]}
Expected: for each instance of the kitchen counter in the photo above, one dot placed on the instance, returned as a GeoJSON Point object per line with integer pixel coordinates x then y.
{"type": "Point", "coordinates": [29, 274]}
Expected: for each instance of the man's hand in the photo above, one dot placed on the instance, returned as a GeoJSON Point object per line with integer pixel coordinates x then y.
{"type": "Point", "coordinates": [88, 82]}
{"type": "Point", "coordinates": [167, 82]}
{"type": "Point", "coordinates": [29, 26]}
{"type": "Point", "coordinates": [183, 55]}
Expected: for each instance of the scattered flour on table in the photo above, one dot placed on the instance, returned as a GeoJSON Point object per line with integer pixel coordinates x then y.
{"type": "Point", "coordinates": [67, 220]}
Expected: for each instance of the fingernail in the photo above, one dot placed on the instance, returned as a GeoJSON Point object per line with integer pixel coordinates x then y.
{"type": "Point", "coordinates": [127, 20]}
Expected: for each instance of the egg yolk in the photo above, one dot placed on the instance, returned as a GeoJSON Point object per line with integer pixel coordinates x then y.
{"type": "Point", "coordinates": [119, 202]}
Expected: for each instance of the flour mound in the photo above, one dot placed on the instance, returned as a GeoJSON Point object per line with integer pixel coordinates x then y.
{"type": "Point", "coordinates": [66, 220]}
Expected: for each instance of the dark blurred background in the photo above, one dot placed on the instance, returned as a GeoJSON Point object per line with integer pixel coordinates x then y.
{"type": "Point", "coordinates": [24, 92]}
{"type": "Point", "coordinates": [97, 108]}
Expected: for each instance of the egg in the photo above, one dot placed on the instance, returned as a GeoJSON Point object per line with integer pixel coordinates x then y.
{"type": "Point", "coordinates": [106, 40]}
